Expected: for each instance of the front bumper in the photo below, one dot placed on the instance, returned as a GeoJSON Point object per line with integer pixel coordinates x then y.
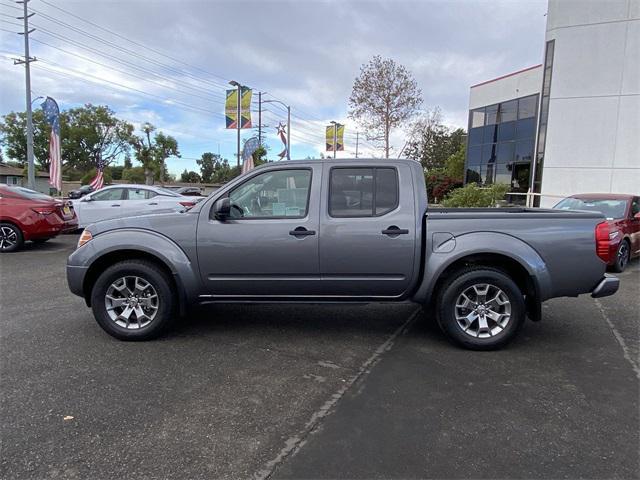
{"type": "Point", "coordinates": [607, 286]}
{"type": "Point", "coordinates": [75, 279]}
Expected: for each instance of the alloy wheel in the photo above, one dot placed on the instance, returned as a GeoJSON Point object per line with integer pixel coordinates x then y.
{"type": "Point", "coordinates": [131, 302]}
{"type": "Point", "coordinates": [8, 238]}
{"type": "Point", "coordinates": [623, 255]}
{"type": "Point", "coordinates": [482, 310]}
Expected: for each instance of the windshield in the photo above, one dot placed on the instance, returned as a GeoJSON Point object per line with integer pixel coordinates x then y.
{"type": "Point", "coordinates": [32, 194]}
{"type": "Point", "coordinates": [609, 208]}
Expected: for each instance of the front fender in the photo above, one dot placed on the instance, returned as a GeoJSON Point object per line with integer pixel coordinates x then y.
{"type": "Point", "coordinates": [478, 243]}
{"type": "Point", "coordinates": [146, 241]}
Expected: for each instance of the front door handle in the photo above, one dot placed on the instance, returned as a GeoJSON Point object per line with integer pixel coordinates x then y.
{"type": "Point", "coordinates": [115, 205]}
{"type": "Point", "coordinates": [393, 230]}
{"type": "Point", "coordinates": [301, 232]}
{"type": "Point", "coordinates": [153, 203]}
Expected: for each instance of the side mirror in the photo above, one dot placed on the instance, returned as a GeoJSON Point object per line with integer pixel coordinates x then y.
{"type": "Point", "coordinates": [222, 209]}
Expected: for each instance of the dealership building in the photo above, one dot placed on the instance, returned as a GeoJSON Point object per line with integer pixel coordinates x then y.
{"type": "Point", "coordinates": [571, 124]}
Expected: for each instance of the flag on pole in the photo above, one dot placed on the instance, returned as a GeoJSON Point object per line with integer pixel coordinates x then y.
{"type": "Point", "coordinates": [231, 108]}
{"type": "Point", "coordinates": [98, 182]}
{"type": "Point", "coordinates": [250, 146]}
{"type": "Point", "coordinates": [281, 128]}
{"type": "Point", "coordinates": [52, 116]}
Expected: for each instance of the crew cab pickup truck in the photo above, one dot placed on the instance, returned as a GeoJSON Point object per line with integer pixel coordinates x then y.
{"type": "Point", "coordinates": [355, 231]}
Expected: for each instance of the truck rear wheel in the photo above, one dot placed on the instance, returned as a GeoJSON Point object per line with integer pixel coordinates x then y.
{"type": "Point", "coordinates": [133, 300]}
{"type": "Point", "coordinates": [481, 308]}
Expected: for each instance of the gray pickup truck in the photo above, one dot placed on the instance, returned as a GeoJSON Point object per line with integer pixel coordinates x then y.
{"type": "Point", "coordinates": [352, 231]}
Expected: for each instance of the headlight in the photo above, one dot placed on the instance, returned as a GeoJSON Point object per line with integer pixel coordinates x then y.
{"type": "Point", "coordinates": [84, 237]}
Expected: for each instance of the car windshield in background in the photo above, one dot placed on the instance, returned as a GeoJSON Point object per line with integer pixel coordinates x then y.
{"type": "Point", "coordinates": [609, 208]}
{"type": "Point", "coordinates": [32, 194]}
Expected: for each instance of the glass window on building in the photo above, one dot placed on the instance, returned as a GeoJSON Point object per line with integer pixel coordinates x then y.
{"type": "Point", "coordinates": [526, 128]}
{"type": "Point", "coordinates": [491, 115]}
{"type": "Point", "coordinates": [476, 136]}
{"type": "Point", "coordinates": [506, 131]}
{"type": "Point", "coordinates": [527, 107]}
{"type": "Point", "coordinates": [476, 118]}
{"type": "Point", "coordinates": [488, 153]}
{"type": "Point", "coordinates": [490, 133]}
{"type": "Point", "coordinates": [474, 155]}
{"type": "Point", "coordinates": [473, 174]}
{"type": "Point", "coordinates": [505, 152]}
{"type": "Point", "coordinates": [524, 151]}
{"type": "Point", "coordinates": [508, 111]}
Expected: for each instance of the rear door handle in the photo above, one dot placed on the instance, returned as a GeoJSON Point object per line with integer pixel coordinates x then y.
{"type": "Point", "coordinates": [393, 230]}
{"type": "Point", "coordinates": [115, 205]}
{"type": "Point", "coordinates": [301, 232]}
{"type": "Point", "coordinates": [153, 203]}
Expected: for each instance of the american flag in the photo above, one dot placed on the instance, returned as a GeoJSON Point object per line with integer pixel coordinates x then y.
{"type": "Point", "coordinates": [98, 181]}
{"type": "Point", "coordinates": [52, 115]}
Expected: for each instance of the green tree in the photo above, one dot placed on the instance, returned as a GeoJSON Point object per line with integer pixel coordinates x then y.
{"type": "Point", "coordinates": [134, 175]}
{"type": "Point", "coordinates": [207, 164]}
{"type": "Point", "coordinates": [13, 137]}
{"type": "Point", "coordinates": [91, 133]}
{"type": "Point", "coordinates": [384, 96]}
{"type": "Point", "coordinates": [454, 165]}
{"type": "Point", "coordinates": [152, 154]}
{"type": "Point", "coordinates": [190, 177]}
{"type": "Point", "coordinates": [432, 143]}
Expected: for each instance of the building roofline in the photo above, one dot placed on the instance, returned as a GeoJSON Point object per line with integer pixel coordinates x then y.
{"type": "Point", "coordinates": [507, 75]}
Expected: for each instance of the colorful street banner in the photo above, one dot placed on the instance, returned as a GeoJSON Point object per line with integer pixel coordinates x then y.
{"type": "Point", "coordinates": [339, 137]}
{"type": "Point", "coordinates": [231, 108]}
{"type": "Point", "coordinates": [282, 133]}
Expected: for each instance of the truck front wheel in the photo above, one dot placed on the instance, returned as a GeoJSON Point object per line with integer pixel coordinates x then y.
{"type": "Point", "coordinates": [133, 300]}
{"type": "Point", "coordinates": [480, 308]}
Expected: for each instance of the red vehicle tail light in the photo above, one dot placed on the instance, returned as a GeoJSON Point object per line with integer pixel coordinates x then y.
{"type": "Point", "coordinates": [603, 240]}
{"type": "Point", "coordinates": [187, 204]}
{"type": "Point", "coordinates": [44, 210]}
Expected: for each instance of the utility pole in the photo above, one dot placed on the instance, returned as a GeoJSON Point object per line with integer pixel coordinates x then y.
{"type": "Point", "coordinates": [260, 118]}
{"type": "Point", "coordinates": [31, 175]}
{"type": "Point", "coordinates": [239, 119]}
{"type": "Point", "coordinates": [357, 134]}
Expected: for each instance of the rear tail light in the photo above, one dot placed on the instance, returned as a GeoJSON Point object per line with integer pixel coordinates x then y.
{"type": "Point", "coordinates": [187, 204]}
{"type": "Point", "coordinates": [44, 210]}
{"type": "Point", "coordinates": [603, 241]}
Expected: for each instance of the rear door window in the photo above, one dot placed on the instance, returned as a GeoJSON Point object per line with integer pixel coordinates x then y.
{"type": "Point", "coordinates": [362, 192]}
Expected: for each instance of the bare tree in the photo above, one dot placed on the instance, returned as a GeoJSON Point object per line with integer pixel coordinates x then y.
{"type": "Point", "coordinates": [384, 96]}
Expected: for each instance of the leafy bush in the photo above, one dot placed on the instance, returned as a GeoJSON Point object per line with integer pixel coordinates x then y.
{"type": "Point", "coordinates": [471, 195]}
{"type": "Point", "coordinates": [439, 184]}
{"type": "Point", "coordinates": [134, 175]}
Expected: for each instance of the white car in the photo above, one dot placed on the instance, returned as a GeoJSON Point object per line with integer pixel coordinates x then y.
{"type": "Point", "coordinates": [117, 201]}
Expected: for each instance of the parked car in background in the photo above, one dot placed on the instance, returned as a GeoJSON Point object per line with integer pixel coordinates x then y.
{"type": "Point", "coordinates": [29, 215]}
{"type": "Point", "coordinates": [80, 192]}
{"type": "Point", "coordinates": [117, 201]}
{"type": "Point", "coordinates": [342, 230]}
{"type": "Point", "coordinates": [623, 214]}
{"type": "Point", "coordinates": [187, 191]}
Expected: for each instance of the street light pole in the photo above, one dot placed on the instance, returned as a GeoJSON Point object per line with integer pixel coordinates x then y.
{"type": "Point", "coordinates": [238, 119]}
{"type": "Point", "coordinates": [288, 123]}
{"type": "Point", "coordinates": [335, 137]}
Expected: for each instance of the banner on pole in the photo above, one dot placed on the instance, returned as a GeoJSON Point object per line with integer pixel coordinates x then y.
{"type": "Point", "coordinates": [339, 136]}
{"type": "Point", "coordinates": [52, 116]}
{"type": "Point", "coordinates": [231, 108]}
{"type": "Point", "coordinates": [250, 146]}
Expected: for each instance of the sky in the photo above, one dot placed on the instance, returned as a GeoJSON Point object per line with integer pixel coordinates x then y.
{"type": "Point", "coordinates": [169, 62]}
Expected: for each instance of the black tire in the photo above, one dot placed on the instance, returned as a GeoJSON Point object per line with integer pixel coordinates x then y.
{"type": "Point", "coordinates": [150, 273]}
{"type": "Point", "coordinates": [499, 335]}
{"type": "Point", "coordinates": [11, 238]}
{"type": "Point", "coordinates": [623, 255]}
{"type": "Point", "coordinates": [40, 240]}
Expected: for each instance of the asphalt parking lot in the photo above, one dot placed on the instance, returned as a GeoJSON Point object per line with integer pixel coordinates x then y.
{"type": "Point", "coordinates": [311, 391]}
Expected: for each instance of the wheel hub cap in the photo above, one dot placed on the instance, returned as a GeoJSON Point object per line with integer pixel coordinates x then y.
{"type": "Point", "coordinates": [8, 237]}
{"type": "Point", "coordinates": [131, 302]}
{"type": "Point", "coordinates": [482, 310]}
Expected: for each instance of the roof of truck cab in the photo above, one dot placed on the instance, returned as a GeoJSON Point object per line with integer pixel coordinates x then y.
{"type": "Point", "coordinates": [603, 196]}
{"type": "Point", "coordinates": [367, 161]}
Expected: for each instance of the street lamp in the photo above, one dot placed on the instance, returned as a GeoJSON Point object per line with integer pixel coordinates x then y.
{"type": "Point", "coordinates": [233, 83]}
{"type": "Point", "coordinates": [288, 124]}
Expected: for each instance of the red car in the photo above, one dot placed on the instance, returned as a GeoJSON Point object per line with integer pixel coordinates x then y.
{"type": "Point", "coordinates": [622, 213]}
{"type": "Point", "coordinates": [29, 215]}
